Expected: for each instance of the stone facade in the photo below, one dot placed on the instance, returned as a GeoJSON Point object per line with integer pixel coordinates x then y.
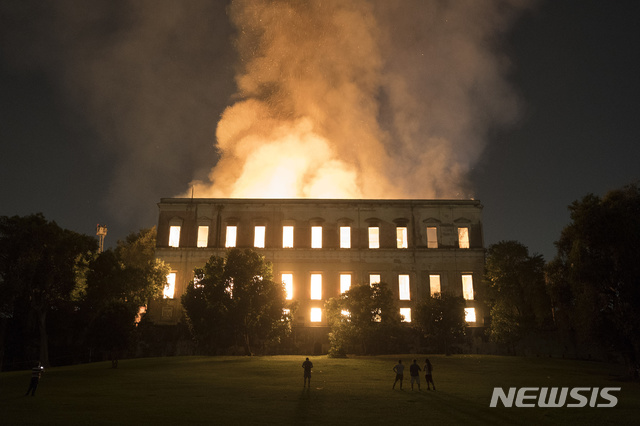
{"type": "Point", "coordinates": [420, 244]}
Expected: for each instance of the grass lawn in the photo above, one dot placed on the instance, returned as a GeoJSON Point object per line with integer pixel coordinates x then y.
{"type": "Point", "coordinates": [268, 390]}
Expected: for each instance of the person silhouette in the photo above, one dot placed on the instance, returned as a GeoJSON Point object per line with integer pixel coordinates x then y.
{"type": "Point", "coordinates": [399, 370]}
{"type": "Point", "coordinates": [414, 371]}
{"type": "Point", "coordinates": [428, 377]}
{"type": "Point", "coordinates": [307, 365]}
{"type": "Point", "coordinates": [36, 373]}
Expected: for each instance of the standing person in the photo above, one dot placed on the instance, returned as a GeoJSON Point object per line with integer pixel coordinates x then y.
{"type": "Point", "coordinates": [427, 374]}
{"type": "Point", "coordinates": [307, 365]}
{"type": "Point", "coordinates": [399, 370]}
{"type": "Point", "coordinates": [36, 373]}
{"type": "Point", "coordinates": [414, 371]}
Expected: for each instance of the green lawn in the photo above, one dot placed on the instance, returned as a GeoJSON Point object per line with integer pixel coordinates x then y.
{"type": "Point", "coordinates": [268, 390]}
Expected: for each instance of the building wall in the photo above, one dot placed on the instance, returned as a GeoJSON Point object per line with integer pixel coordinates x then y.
{"type": "Point", "coordinates": [418, 261]}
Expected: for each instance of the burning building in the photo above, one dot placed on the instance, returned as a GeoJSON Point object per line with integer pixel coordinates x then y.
{"type": "Point", "coordinates": [319, 248]}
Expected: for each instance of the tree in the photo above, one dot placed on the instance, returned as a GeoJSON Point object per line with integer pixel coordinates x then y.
{"type": "Point", "coordinates": [365, 319]}
{"type": "Point", "coordinates": [594, 280]}
{"type": "Point", "coordinates": [520, 305]}
{"type": "Point", "coordinates": [234, 300]}
{"type": "Point", "coordinates": [440, 319]}
{"type": "Point", "coordinates": [38, 268]}
{"type": "Point", "coordinates": [116, 283]}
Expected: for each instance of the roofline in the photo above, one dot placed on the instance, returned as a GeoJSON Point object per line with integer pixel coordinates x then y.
{"type": "Point", "coordinates": [186, 200]}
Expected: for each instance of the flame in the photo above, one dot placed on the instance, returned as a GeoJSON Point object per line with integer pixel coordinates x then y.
{"type": "Point", "coordinates": [337, 99]}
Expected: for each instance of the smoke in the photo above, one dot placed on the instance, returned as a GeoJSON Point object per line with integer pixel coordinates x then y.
{"type": "Point", "coordinates": [140, 85]}
{"type": "Point", "coordinates": [372, 99]}
{"type": "Point", "coordinates": [362, 99]}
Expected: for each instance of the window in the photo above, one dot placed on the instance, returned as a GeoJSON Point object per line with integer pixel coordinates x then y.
{"type": "Point", "coordinates": [374, 237]}
{"type": "Point", "coordinates": [174, 236]}
{"type": "Point", "coordinates": [432, 237]}
{"type": "Point", "coordinates": [287, 280]}
{"type": "Point", "coordinates": [196, 281]}
{"type": "Point", "coordinates": [463, 238]}
{"type": "Point", "coordinates": [401, 237]}
{"type": "Point", "coordinates": [470, 314]}
{"type": "Point", "coordinates": [374, 279]}
{"type": "Point", "coordinates": [406, 314]}
{"type": "Point", "coordinates": [316, 315]}
{"type": "Point", "coordinates": [232, 233]}
{"type": "Point", "coordinates": [345, 313]}
{"type": "Point", "coordinates": [345, 237]}
{"type": "Point", "coordinates": [170, 286]}
{"type": "Point", "coordinates": [229, 288]}
{"type": "Point", "coordinates": [467, 287]}
{"type": "Point", "coordinates": [203, 236]}
{"type": "Point", "coordinates": [286, 313]}
{"type": "Point", "coordinates": [345, 282]}
{"type": "Point", "coordinates": [287, 237]}
{"type": "Point", "coordinates": [434, 284]}
{"type": "Point", "coordinates": [316, 286]}
{"type": "Point", "coordinates": [316, 237]}
{"type": "Point", "coordinates": [403, 287]}
{"type": "Point", "coordinates": [258, 236]}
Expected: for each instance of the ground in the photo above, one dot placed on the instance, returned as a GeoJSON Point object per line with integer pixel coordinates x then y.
{"type": "Point", "coordinates": [269, 390]}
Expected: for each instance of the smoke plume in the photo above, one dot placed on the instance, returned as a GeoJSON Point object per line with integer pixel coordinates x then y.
{"type": "Point", "coordinates": [251, 98]}
{"type": "Point", "coordinates": [371, 99]}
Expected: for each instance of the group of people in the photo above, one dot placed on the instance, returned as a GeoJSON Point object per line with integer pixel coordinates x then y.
{"type": "Point", "coordinates": [414, 372]}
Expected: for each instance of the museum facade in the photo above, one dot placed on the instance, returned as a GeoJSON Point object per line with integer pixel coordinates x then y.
{"type": "Point", "coordinates": [321, 247]}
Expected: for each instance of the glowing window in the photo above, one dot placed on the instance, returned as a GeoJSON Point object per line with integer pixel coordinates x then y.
{"type": "Point", "coordinates": [470, 314]}
{"type": "Point", "coordinates": [196, 281]}
{"type": "Point", "coordinates": [203, 236]}
{"type": "Point", "coordinates": [432, 237]}
{"type": "Point", "coordinates": [434, 284]}
{"type": "Point", "coordinates": [174, 236]}
{"type": "Point", "coordinates": [467, 287]}
{"type": "Point", "coordinates": [287, 236]}
{"type": "Point", "coordinates": [463, 238]}
{"type": "Point", "coordinates": [345, 237]}
{"type": "Point", "coordinates": [401, 237]}
{"type": "Point", "coordinates": [316, 237]}
{"type": "Point", "coordinates": [316, 286]}
{"type": "Point", "coordinates": [403, 287]}
{"type": "Point", "coordinates": [406, 314]}
{"type": "Point", "coordinates": [316, 315]}
{"type": "Point", "coordinates": [258, 236]}
{"type": "Point", "coordinates": [374, 279]}
{"type": "Point", "coordinates": [170, 286]}
{"type": "Point", "coordinates": [232, 233]}
{"type": "Point", "coordinates": [345, 282]}
{"type": "Point", "coordinates": [141, 311]}
{"type": "Point", "coordinates": [286, 313]}
{"type": "Point", "coordinates": [374, 237]}
{"type": "Point", "coordinates": [345, 313]}
{"type": "Point", "coordinates": [287, 280]}
{"type": "Point", "coordinates": [229, 288]}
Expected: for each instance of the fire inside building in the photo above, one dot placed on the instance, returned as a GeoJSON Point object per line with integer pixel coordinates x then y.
{"type": "Point", "coordinates": [319, 248]}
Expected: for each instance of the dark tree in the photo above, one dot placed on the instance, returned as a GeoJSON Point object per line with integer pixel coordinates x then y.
{"type": "Point", "coordinates": [116, 284]}
{"type": "Point", "coordinates": [440, 320]}
{"type": "Point", "coordinates": [365, 319]}
{"type": "Point", "coordinates": [594, 280]}
{"type": "Point", "coordinates": [38, 262]}
{"type": "Point", "coordinates": [234, 300]}
{"type": "Point", "coordinates": [520, 305]}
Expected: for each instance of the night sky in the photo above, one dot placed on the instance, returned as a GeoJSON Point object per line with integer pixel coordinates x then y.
{"type": "Point", "coordinates": [107, 106]}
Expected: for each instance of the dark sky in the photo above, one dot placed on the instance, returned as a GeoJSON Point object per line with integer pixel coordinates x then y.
{"type": "Point", "coordinates": [107, 106]}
